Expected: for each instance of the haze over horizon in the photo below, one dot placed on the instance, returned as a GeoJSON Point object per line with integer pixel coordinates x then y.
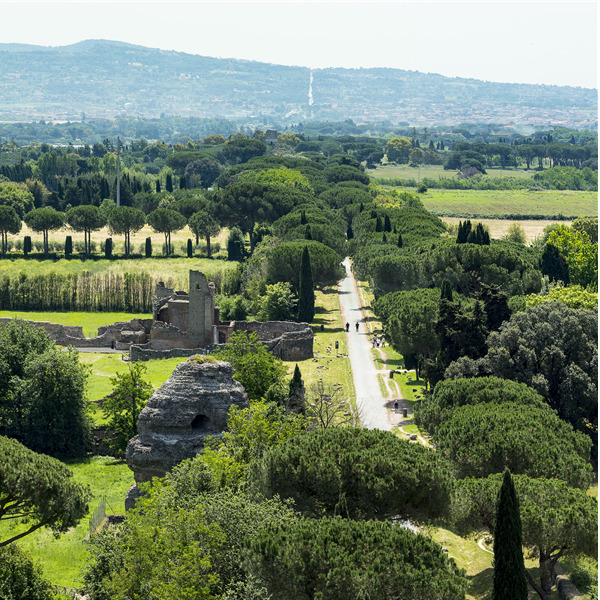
{"type": "Point", "coordinates": [552, 43]}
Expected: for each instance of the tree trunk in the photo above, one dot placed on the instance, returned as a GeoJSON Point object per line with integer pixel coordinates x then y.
{"type": "Point", "coordinates": [208, 246]}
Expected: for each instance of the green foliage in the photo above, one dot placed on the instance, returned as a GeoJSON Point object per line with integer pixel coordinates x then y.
{"type": "Point", "coordinates": [232, 308]}
{"type": "Point", "coordinates": [17, 196]}
{"type": "Point", "coordinates": [515, 234]}
{"type": "Point", "coordinates": [181, 542]}
{"type": "Point", "coordinates": [42, 392]}
{"type": "Point", "coordinates": [568, 178]}
{"type": "Point", "coordinates": [86, 218]}
{"type": "Point", "coordinates": [250, 432]}
{"type": "Point", "coordinates": [581, 255]}
{"type": "Point", "coordinates": [36, 491]}
{"type": "Point", "coordinates": [573, 296]}
{"type": "Point", "coordinates": [587, 225]}
{"type": "Point", "coordinates": [509, 569]}
{"type": "Point", "coordinates": [123, 405]}
{"type": "Point", "coordinates": [359, 473]}
{"type": "Point", "coordinates": [448, 395]}
{"type": "Point", "coordinates": [166, 220]}
{"type": "Point", "coordinates": [465, 266]}
{"type": "Point", "coordinates": [553, 349]}
{"type": "Point", "coordinates": [203, 225]}
{"type": "Point", "coordinates": [125, 220]}
{"type": "Point", "coordinates": [554, 265]}
{"type": "Point", "coordinates": [557, 520]}
{"type": "Point", "coordinates": [20, 578]}
{"type": "Point", "coordinates": [409, 321]}
{"type": "Point", "coordinates": [296, 400]}
{"type": "Point", "coordinates": [284, 263]}
{"type": "Point", "coordinates": [10, 222]}
{"type": "Point", "coordinates": [278, 303]}
{"type": "Point", "coordinates": [43, 220]}
{"type": "Point", "coordinates": [254, 366]}
{"type": "Point", "coordinates": [486, 438]}
{"type": "Point", "coordinates": [306, 293]}
{"type": "Point", "coordinates": [101, 292]}
{"type": "Point", "coordinates": [337, 558]}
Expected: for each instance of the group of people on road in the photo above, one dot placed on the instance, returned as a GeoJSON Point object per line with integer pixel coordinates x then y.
{"type": "Point", "coordinates": [356, 325]}
{"type": "Point", "coordinates": [378, 341]}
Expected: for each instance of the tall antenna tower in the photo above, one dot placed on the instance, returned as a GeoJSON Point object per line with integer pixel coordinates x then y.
{"type": "Point", "coordinates": [119, 146]}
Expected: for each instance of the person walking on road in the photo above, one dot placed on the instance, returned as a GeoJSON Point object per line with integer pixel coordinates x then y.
{"type": "Point", "coordinates": [356, 326]}
{"type": "Point", "coordinates": [347, 327]}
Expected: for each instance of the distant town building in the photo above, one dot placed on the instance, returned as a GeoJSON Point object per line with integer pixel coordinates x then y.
{"type": "Point", "coordinates": [271, 137]}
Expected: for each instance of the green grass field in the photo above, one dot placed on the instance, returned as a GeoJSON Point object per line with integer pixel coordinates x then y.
{"type": "Point", "coordinates": [89, 321]}
{"type": "Point", "coordinates": [521, 202]}
{"type": "Point", "coordinates": [436, 172]}
{"type": "Point", "coordinates": [63, 558]}
{"type": "Point", "coordinates": [328, 364]}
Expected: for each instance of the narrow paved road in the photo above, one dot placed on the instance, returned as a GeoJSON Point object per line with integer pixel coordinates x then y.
{"type": "Point", "coordinates": [372, 406]}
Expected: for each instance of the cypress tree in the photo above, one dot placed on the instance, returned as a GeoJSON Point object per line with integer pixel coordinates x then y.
{"type": "Point", "coordinates": [68, 246]}
{"type": "Point", "coordinates": [296, 401]}
{"type": "Point", "coordinates": [303, 220]}
{"type": "Point", "coordinates": [169, 185]}
{"type": "Point", "coordinates": [308, 233]}
{"type": "Point", "coordinates": [510, 582]}
{"type": "Point", "coordinates": [446, 291]}
{"type": "Point", "coordinates": [148, 247]}
{"type": "Point", "coordinates": [158, 186]}
{"type": "Point", "coordinates": [306, 296]}
{"type": "Point", "coordinates": [108, 248]}
{"type": "Point", "coordinates": [349, 232]}
{"type": "Point", "coordinates": [387, 224]}
{"type": "Point", "coordinates": [190, 249]}
{"type": "Point", "coordinates": [182, 183]}
{"type": "Point", "coordinates": [384, 239]}
{"type": "Point", "coordinates": [27, 245]}
{"type": "Point", "coordinates": [400, 242]}
{"type": "Point", "coordinates": [378, 225]}
{"type": "Point", "coordinates": [553, 264]}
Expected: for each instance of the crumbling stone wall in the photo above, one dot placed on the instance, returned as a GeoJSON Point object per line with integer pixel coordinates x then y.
{"type": "Point", "coordinates": [118, 335]}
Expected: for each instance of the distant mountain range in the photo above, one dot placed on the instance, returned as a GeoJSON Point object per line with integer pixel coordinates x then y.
{"type": "Point", "coordinates": [101, 78]}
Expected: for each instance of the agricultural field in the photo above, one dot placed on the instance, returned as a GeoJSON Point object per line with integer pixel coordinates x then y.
{"type": "Point", "coordinates": [390, 171]}
{"type": "Point", "coordinates": [498, 228]}
{"type": "Point", "coordinates": [510, 202]}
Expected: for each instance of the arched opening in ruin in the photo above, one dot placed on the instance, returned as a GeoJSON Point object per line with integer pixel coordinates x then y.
{"type": "Point", "coordinates": [200, 422]}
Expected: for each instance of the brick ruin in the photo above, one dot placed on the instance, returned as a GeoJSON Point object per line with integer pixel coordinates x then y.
{"type": "Point", "coordinates": [182, 324]}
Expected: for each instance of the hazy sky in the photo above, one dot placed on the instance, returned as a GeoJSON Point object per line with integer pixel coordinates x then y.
{"type": "Point", "coordinates": [526, 42]}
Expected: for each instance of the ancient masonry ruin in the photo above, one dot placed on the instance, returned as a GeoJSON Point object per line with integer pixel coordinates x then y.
{"type": "Point", "coordinates": [182, 325]}
{"type": "Point", "coordinates": [189, 407]}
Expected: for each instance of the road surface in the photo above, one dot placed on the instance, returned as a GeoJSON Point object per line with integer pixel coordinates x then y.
{"type": "Point", "coordinates": [372, 406]}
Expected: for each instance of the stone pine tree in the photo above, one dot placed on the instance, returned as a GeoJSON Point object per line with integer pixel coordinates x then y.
{"type": "Point", "coordinates": [510, 582]}
{"type": "Point", "coordinates": [306, 295]}
{"type": "Point", "coordinates": [296, 401]}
